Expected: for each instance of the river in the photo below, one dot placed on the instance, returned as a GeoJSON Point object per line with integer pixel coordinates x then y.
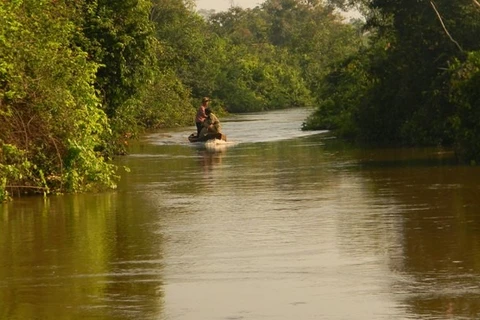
{"type": "Point", "coordinates": [275, 224]}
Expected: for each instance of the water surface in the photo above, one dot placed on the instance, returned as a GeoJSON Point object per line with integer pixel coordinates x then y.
{"type": "Point", "coordinates": [275, 224]}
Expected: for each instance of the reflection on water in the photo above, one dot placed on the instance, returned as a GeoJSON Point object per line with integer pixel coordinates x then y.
{"type": "Point", "coordinates": [209, 159]}
{"type": "Point", "coordinates": [278, 224]}
{"type": "Point", "coordinates": [73, 257]}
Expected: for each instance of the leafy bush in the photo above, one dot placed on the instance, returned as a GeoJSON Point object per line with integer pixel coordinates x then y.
{"type": "Point", "coordinates": [465, 95]}
{"type": "Point", "coordinates": [52, 123]}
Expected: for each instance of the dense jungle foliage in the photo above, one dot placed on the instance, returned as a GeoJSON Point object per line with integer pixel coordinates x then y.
{"type": "Point", "coordinates": [79, 78]}
{"type": "Point", "coordinates": [416, 80]}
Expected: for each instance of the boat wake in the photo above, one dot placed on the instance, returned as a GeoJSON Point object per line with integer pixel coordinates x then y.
{"type": "Point", "coordinates": [216, 144]}
{"type": "Point", "coordinates": [246, 128]}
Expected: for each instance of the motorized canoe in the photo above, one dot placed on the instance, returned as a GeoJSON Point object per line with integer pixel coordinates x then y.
{"type": "Point", "coordinates": [209, 136]}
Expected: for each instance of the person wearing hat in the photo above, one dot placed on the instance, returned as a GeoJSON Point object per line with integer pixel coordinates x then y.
{"type": "Point", "coordinates": [201, 115]}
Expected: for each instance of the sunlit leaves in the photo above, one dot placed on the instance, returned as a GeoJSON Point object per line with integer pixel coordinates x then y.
{"type": "Point", "coordinates": [47, 98]}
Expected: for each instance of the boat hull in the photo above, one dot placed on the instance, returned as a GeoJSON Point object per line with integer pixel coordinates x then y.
{"type": "Point", "coordinates": [210, 136]}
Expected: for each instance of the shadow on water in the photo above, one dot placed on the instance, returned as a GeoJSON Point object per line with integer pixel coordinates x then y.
{"type": "Point", "coordinates": [438, 258]}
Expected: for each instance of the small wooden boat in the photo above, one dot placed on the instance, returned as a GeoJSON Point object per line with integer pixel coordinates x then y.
{"type": "Point", "coordinates": [210, 136]}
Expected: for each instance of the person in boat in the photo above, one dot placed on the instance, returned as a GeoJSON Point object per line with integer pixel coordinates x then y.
{"type": "Point", "coordinates": [211, 124]}
{"type": "Point", "coordinates": [201, 115]}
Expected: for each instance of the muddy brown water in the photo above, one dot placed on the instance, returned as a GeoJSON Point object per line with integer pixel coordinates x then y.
{"type": "Point", "coordinates": [275, 224]}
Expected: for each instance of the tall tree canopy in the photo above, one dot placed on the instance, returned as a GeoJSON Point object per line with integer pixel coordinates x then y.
{"type": "Point", "coordinates": [409, 84]}
{"type": "Point", "coordinates": [77, 78]}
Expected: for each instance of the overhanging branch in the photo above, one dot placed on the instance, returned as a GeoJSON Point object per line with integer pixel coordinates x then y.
{"type": "Point", "coordinates": [444, 27]}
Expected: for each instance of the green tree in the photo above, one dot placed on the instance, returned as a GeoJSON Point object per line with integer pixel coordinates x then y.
{"type": "Point", "coordinates": [52, 124]}
{"type": "Point", "coordinates": [465, 95]}
{"type": "Point", "coordinates": [187, 48]}
{"type": "Point", "coordinates": [119, 36]}
{"type": "Point", "coordinates": [414, 95]}
{"type": "Point", "coordinates": [261, 80]}
{"type": "Point", "coordinates": [280, 53]}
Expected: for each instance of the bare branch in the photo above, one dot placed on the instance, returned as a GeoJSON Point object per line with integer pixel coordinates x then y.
{"type": "Point", "coordinates": [476, 2]}
{"type": "Point", "coordinates": [60, 161]}
{"type": "Point", "coordinates": [445, 28]}
{"type": "Point", "coordinates": [26, 187]}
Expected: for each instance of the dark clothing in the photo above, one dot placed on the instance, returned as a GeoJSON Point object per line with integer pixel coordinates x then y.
{"type": "Point", "coordinates": [199, 127]}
